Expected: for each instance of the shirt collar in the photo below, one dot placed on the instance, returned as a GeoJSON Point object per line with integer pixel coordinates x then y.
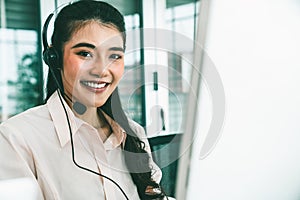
{"type": "Point", "coordinates": [60, 121]}
{"type": "Point", "coordinates": [118, 135]}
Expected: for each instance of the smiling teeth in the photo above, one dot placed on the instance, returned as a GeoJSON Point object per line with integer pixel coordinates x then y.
{"type": "Point", "coordinates": [95, 85]}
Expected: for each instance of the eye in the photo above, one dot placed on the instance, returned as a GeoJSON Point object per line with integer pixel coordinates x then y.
{"type": "Point", "coordinates": [115, 56]}
{"type": "Point", "coordinates": [84, 54]}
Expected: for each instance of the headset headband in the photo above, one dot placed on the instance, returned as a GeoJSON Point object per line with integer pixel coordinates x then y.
{"type": "Point", "coordinates": [44, 32]}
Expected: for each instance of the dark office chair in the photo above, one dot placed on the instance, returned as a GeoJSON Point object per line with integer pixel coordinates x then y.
{"type": "Point", "coordinates": [165, 152]}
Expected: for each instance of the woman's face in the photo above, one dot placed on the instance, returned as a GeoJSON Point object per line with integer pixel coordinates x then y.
{"type": "Point", "coordinates": [93, 63]}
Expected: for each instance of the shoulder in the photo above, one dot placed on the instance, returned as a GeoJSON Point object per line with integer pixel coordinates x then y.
{"type": "Point", "coordinates": [29, 118]}
{"type": "Point", "coordinates": [140, 132]}
{"type": "Point", "coordinates": [156, 172]}
{"type": "Point", "coordinates": [138, 129]}
{"type": "Point", "coordinates": [38, 112]}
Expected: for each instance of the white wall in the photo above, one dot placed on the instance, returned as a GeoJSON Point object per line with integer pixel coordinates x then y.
{"type": "Point", "coordinates": [255, 46]}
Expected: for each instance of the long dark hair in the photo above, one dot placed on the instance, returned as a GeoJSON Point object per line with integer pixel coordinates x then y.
{"type": "Point", "coordinates": [68, 20]}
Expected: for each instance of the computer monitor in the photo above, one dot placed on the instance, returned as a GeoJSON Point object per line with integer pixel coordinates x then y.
{"type": "Point", "coordinates": [206, 85]}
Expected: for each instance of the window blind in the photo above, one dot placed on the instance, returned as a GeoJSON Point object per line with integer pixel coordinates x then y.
{"type": "Point", "coordinates": [21, 14]}
{"type": "Point", "coordinates": [173, 3]}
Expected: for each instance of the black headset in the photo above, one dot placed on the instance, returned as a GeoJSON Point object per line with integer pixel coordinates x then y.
{"type": "Point", "coordinates": [52, 59]}
{"type": "Point", "coordinates": [50, 55]}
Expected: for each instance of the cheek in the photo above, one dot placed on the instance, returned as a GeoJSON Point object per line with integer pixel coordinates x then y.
{"type": "Point", "coordinates": [118, 71]}
{"type": "Point", "coordinates": [71, 69]}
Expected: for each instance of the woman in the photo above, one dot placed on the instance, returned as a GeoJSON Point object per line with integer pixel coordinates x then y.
{"type": "Point", "coordinates": [83, 119]}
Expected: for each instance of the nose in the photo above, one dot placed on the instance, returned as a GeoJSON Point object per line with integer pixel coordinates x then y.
{"type": "Point", "coordinates": [99, 68]}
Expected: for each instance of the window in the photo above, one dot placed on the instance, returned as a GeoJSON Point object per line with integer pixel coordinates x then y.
{"type": "Point", "coordinates": [20, 65]}
{"type": "Point", "coordinates": [180, 19]}
{"type": "Point", "coordinates": [131, 86]}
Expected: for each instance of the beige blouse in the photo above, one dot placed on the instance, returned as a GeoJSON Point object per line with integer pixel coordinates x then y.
{"type": "Point", "coordinates": [36, 144]}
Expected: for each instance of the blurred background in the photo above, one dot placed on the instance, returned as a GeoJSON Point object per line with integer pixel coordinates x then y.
{"type": "Point", "coordinates": [253, 45]}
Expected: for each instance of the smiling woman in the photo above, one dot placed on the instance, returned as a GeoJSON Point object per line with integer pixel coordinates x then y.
{"type": "Point", "coordinates": [93, 64]}
{"type": "Point", "coordinates": [62, 148]}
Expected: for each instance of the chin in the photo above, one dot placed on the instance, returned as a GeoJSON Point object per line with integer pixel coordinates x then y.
{"type": "Point", "coordinates": [94, 102]}
{"type": "Point", "coordinates": [99, 104]}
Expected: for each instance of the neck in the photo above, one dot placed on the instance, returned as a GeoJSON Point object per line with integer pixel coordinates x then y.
{"type": "Point", "coordinates": [96, 120]}
{"type": "Point", "coordinates": [91, 117]}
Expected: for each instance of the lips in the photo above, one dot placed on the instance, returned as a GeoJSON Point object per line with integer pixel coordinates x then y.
{"type": "Point", "coordinates": [94, 85]}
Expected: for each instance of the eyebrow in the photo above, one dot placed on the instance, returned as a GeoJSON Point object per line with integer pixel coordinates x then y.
{"type": "Point", "coordinates": [88, 45]}
{"type": "Point", "coordinates": [116, 49]}
{"type": "Point", "coordinates": [83, 44]}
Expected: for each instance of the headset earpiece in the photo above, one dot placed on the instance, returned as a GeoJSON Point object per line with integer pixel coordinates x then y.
{"type": "Point", "coordinates": [51, 57]}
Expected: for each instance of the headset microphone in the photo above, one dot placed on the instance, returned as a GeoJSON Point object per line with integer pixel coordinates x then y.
{"type": "Point", "coordinates": [51, 58]}
{"type": "Point", "coordinates": [79, 107]}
